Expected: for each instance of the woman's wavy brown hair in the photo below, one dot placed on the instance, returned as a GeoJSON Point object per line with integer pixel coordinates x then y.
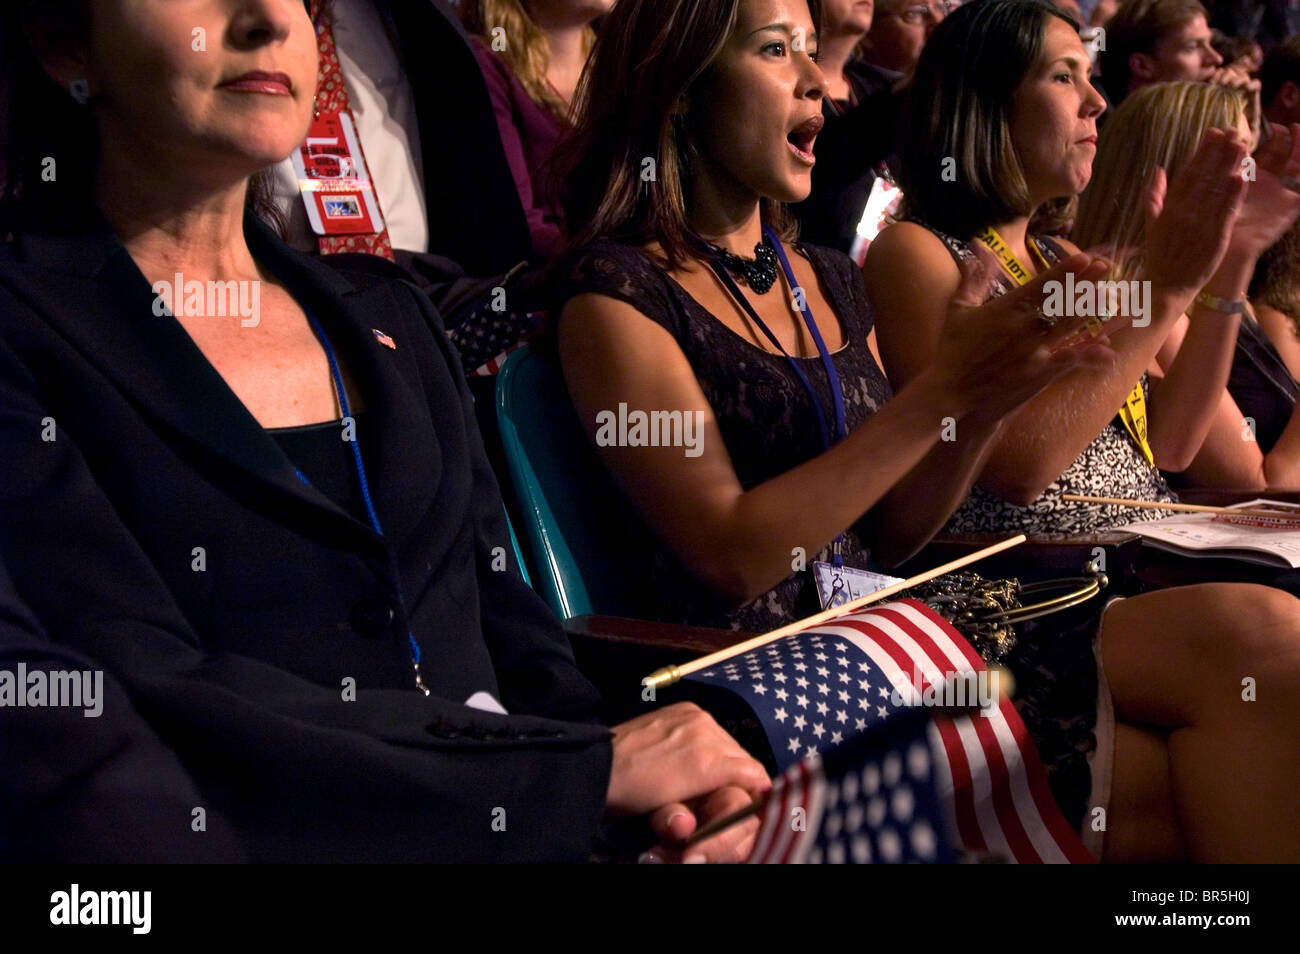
{"type": "Point", "coordinates": [629, 161]}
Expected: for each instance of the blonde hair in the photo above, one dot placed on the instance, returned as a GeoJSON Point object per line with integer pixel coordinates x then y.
{"type": "Point", "coordinates": [526, 52]}
{"type": "Point", "coordinates": [1159, 126]}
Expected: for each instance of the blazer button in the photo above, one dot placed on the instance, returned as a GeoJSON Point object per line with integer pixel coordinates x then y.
{"type": "Point", "coordinates": [372, 618]}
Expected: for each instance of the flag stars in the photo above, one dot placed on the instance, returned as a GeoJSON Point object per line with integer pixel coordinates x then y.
{"type": "Point", "coordinates": [882, 711]}
{"type": "Point", "coordinates": [863, 667]}
{"type": "Point", "coordinates": [883, 692]}
{"type": "Point", "coordinates": [859, 725]}
{"type": "Point", "coordinates": [802, 667]}
{"type": "Point", "coordinates": [844, 677]}
{"type": "Point", "coordinates": [801, 700]}
{"type": "Point", "coordinates": [819, 730]}
{"type": "Point", "coordinates": [823, 671]}
{"type": "Point", "coordinates": [844, 696]}
{"type": "Point", "coordinates": [837, 738]}
{"type": "Point", "coordinates": [782, 695]}
{"type": "Point", "coordinates": [821, 657]}
{"type": "Point", "coordinates": [822, 708]}
{"type": "Point", "coordinates": [779, 676]}
{"type": "Point", "coordinates": [800, 722]}
{"type": "Point", "coordinates": [794, 745]}
{"type": "Point", "coordinates": [842, 661]}
{"type": "Point", "coordinates": [760, 689]}
{"type": "Point", "coordinates": [864, 685]}
{"type": "Point", "coordinates": [841, 716]}
{"type": "Point", "coordinates": [782, 715]}
{"type": "Point", "coordinates": [823, 688]}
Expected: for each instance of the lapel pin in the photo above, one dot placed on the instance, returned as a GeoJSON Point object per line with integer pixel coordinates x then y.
{"type": "Point", "coordinates": [384, 339]}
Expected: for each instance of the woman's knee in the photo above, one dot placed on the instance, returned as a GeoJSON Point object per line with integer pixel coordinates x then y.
{"type": "Point", "coordinates": [1258, 627]}
{"type": "Point", "coordinates": [1175, 654]}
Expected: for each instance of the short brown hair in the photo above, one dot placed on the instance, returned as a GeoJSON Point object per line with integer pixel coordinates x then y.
{"type": "Point", "coordinates": [1137, 27]}
{"type": "Point", "coordinates": [957, 166]}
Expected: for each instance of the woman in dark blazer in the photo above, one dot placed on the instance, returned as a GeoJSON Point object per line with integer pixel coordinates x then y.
{"type": "Point", "coordinates": [274, 525]}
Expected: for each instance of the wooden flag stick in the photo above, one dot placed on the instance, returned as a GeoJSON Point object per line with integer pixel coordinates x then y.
{"type": "Point", "coordinates": [662, 678]}
{"type": "Point", "coordinates": [1292, 514]}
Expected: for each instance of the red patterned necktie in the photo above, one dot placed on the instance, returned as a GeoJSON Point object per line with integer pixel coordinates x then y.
{"type": "Point", "coordinates": [332, 96]}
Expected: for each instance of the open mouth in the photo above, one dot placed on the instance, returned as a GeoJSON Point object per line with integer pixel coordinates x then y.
{"type": "Point", "coordinates": [802, 137]}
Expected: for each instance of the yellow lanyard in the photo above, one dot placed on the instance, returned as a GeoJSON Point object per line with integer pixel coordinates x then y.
{"type": "Point", "coordinates": [1134, 412]}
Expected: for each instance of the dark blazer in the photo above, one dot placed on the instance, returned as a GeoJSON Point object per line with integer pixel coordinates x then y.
{"type": "Point", "coordinates": [238, 664]}
{"type": "Point", "coordinates": [101, 789]}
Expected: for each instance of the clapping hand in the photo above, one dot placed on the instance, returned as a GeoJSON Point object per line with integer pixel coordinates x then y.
{"type": "Point", "coordinates": [1190, 220]}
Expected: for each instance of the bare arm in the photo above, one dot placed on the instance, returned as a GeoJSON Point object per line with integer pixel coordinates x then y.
{"type": "Point", "coordinates": [1229, 455]}
{"type": "Point", "coordinates": [739, 542]}
{"type": "Point", "coordinates": [1185, 401]}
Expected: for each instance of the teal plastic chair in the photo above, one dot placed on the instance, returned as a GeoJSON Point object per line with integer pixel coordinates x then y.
{"type": "Point", "coordinates": [519, 554]}
{"type": "Point", "coordinates": [589, 548]}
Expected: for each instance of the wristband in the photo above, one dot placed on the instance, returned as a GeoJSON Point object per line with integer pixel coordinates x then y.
{"type": "Point", "coordinates": [1221, 305]}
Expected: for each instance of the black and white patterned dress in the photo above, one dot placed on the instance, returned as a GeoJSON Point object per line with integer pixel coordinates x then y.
{"type": "Point", "coordinates": [1111, 466]}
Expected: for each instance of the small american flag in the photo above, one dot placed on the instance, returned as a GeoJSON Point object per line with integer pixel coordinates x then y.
{"type": "Point", "coordinates": [384, 339]}
{"type": "Point", "coordinates": [816, 690]}
{"type": "Point", "coordinates": [870, 800]}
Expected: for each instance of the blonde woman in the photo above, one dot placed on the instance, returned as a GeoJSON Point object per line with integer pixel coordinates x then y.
{"type": "Point", "coordinates": [1250, 437]}
{"type": "Point", "coordinates": [532, 53]}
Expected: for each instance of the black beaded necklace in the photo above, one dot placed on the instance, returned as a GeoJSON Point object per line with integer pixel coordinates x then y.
{"type": "Point", "coordinates": [759, 273]}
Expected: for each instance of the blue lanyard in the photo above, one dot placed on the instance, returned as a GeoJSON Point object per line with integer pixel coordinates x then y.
{"type": "Point", "coordinates": [837, 393]}
{"type": "Point", "coordinates": [832, 375]}
{"type": "Point", "coordinates": [416, 654]}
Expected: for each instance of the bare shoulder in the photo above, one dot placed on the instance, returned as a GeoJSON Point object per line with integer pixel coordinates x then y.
{"type": "Point", "coordinates": [908, 249]}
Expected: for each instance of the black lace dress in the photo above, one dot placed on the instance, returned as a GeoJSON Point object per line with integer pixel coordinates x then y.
{"type": "Point", "coordinates": [769, 427]}
{"type": "Point", "coordinates": [767, 420]}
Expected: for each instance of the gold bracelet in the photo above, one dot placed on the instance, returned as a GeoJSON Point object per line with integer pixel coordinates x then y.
{"type": "Point", "coordinates": [1221, 305]}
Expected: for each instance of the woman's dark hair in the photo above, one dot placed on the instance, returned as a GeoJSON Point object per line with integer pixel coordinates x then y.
{"type": "Point", "coordinates": [629, 161]}
{"type": "Point", "coordinates": [49, 147]}
{"type": "Point", "coordinates": [957, 166]}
